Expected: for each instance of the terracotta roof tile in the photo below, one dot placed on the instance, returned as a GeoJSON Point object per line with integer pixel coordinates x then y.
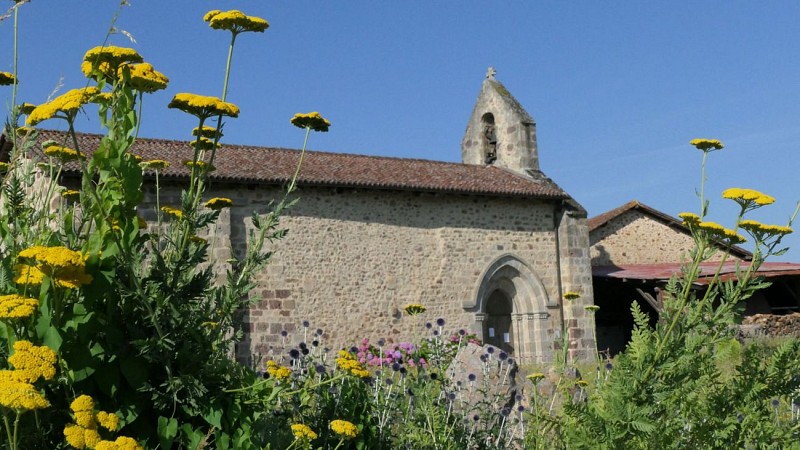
{"type": "Point", "coordinates": [663, 272]}
{"type": "Point", "coordinates": [267, 165]}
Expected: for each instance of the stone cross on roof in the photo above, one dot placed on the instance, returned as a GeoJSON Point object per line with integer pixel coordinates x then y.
{"type": "Point", "coordinates": [490, 73]}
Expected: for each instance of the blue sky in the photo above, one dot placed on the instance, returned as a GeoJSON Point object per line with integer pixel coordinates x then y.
{"type": "Point", "coordinates": [617, 88]}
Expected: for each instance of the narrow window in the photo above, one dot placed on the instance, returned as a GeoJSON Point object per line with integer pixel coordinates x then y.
{"type": "Point", "coordinates": [489, 138]}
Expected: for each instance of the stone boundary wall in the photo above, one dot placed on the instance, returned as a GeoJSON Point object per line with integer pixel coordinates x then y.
{"type": "Point", "coordinates": [772, 325]}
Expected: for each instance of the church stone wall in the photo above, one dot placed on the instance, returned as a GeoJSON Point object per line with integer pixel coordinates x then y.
{"type": "Point", "coordinates": [635, 238]}
{"type": "Point", "coordinates": [354, 258]}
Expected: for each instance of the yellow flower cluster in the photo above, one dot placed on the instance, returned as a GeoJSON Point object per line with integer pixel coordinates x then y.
{"type": "Point", "coordinates": [758, 227]}
{"type": "Point", "coordinates": [15, 306]}
{"type": "Point", "coordinates": [689, 218]}
{"type": "Point", "coordinates": [591, 308]}
{"type": "Point", "coordinates": [23, 131]}
{"type": "Point", "coordinates": [414, 309]}
{"type": "Point", "coordinates": [203, 106]}
{"type": "Point", "coordinates": [19, 395]}
{"type": "Point", "coordinates": [219, 203]}
{"type": "Point", "coordinates": [235, 21]}
{"type": "Point", "coordinates": [707, 144]}
{"type": "Point", "coordinates": [748, 198]}
{"type": "Point", "coordinates": [26, 108]}
{"type": "Point", "coordinates": [68, 103]}
{"type": "Point", "coordinates": [201, 165]}
{"type": "Point", "coordinates": [718, 231]}
{"type": "Point", "coordinates": [301, 431]}
{"type": "Point", "coordinates": [71, 195]}
{"type": "Point", "coordinates": [207, 132]}
{"type": "Point", "coordinates": [202, 143]}
{"type": "Point", "coordinates": [106, 60]}
{"type": "Point", "coordinates": [571, 295]}
{"type": "Point", "coordinates": [277, 371]}
{"type": "Point", "coordinates": [122, 443]}
{"type": "Point", "coordinates": [349, 363]}
{"type": "Point", "coordinates": [28, 275]}
{"type": "Point", "coordinates": [173, 212]}
{"type": "Point", "coordinates": [33, 362]}
{"type": "Point", "coordinates": [84, 432]}
{"type": "Point", "coordinates": [344, 429]}
{"type": "Point", "coordinates": [7, 78]}
{"type": "Point", "coordinates": [155, 164]}
{"type": "Point", "coordinates": [66, 267]}
{"type": "Point", "coordinates": [312, 120]}
{"type": "Point", "coordinates": [3, 167]}
{"type": "Point", "coordinates": [65, 154]}
{"type": "Point", "coordinates": [536, 377]}
{"type": "Point", "coordinates": [144, 78]}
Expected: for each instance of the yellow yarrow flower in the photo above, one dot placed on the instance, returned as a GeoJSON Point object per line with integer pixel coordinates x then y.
{"type": "Point", "coordinates": [591, 308]}
{"type": "Point", "coordinates": [344, 429]}
{"type": "Point", "coordinates": [23, 131]}
{"type": "Point", "coordinates": [173, 212]}
{"type": "Point", "coordinates": [414, 309]}
{"type": "Point", "coordinates": [33, 362]}
{"type": "Point", "coordinates": [106, 60]}
{"type": "Point", "coordinates": [74, 436]}
{"type": "Point", "coordinates": [535, 377]}
{"type": "Point", "coordinates": [4, 167]}
{"type": "Point", "coordinates": [349, 363]}
{"type": "Point", "coordinates": [21, 396]}
{"type": "Point", "coordinates": [202, 143]}
{"type": "Point", "coordinates": [570, 295]}
{"type": "Point", "coordinates": [203, 106]}
{"type": "Point", "coordinates": [711, 227]}
{"type": "Point", "coordinates": [144, 78]}
{"type": "Point", "coordinates": [207, 132]}
{"type": "Point", "coordinates": [689, 218]}
{"type": "Point", "coordinates": [155, 164]}
{"type": "Point", "coordinates": [83, 408]}
{"type": "Point", "coordinates": [68, 103]}
{"type": "Point", "coordinates": [26, 108]}
{"type": "Point", "coordinates": [277, 371]}
{"type": "Point", "coordinates": [28, 275]}
{"type": "Point", "coordinates": [748, 198]}
{"type": "Point", "coordinates": [15, 306]}
{"type": "Point", "coordinates": [7, 78]}
{"type": "Point", "coordinates": [707, 145]}
{"type": "Point", "coordinates": [66, 267]}
{"type": "Point", "coordinates": [219, 203]}
{"type": "Point", "coordinates": [91, 437]}
{"type": "Point", "coordinates": [312, 120]}
{"type": "Point", "coordinates": [301, 431]}
{"type": "Point", "coordinates": [201, 165]}
{"type": "Point", "coordinates": [235, 21]}
{"type": "Point", "coordinates": [65, 154]}
{"type": "Point", "coordinates": [109, 421]}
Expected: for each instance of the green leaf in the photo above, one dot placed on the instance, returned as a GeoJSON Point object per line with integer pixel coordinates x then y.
{"type": "Point", "coordinates": [167, 431]}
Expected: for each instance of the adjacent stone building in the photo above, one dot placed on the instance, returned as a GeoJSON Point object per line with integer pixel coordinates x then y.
{"type": "Point", "coordinates": [488, 245]}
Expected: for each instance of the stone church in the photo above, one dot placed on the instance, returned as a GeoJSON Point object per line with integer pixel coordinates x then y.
{"type": "Point", "coordinates": [490, 245]}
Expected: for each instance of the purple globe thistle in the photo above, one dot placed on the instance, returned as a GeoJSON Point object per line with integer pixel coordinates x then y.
{"type": "Point", "coordinates": [490, 350]}
{"type": "Point", "coordinates": [609, 366]}
{"type": "Point", "coordinates": [354, 349]}
{"type": "Point", "coordinates": [304, 351]}
{"type": "Point", "coordinates": [319, 332]}
{"type": "Point", "coordinates": [451, 396]}
{"type": "Point", "coordinates": [462, 332]}
{"type": "Point", "coordinates": [440, 322]}
{"type": "Point", "coordinates": [434, 376]}
{"type": "Point", "coordinates": [775, 402]}
{"type": "Point", "coordinates": [395, 366]}
{"type": "Point", "coordinates": [284, 333]}
{"type": "Point", "coordinates": [476, 417]}
{"type": "Point", "coordinates": [381, 342]}
{"type": "Point", "coordinates": [503, 356]}
{"type": "Point", "coordinates": [520, 408]}
{"type": "Point", "coordinates": [435, 332]}
{"type": "Point", "coordinates": [389, 381]}
{"type": "Point", "coordinates": [320, 369]}
{"type": "Point", "coordinates": [302, 345]}
{"type": "Point", "coordinates": [410, 392]}
{"type": "Point", "coordinates": [294, 353]}
{"type": "Point", "coordinates": [315, 343]}
{"type": "Point", "coordinates": [428, 325]}
{"type": "Point", "coordinates": [306, 324]}
{"type": "Point", "coordinates": [472, 377]}
{"type": "Point", "coordinates": [505, 412]}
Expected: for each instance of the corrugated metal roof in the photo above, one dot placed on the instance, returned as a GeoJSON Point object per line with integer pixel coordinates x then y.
{"type": "Point", "coordinates": [663, 272]}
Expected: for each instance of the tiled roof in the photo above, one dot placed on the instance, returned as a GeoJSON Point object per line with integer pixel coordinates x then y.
{"type": "Point", "coordinates": [266, 165]}
{"type": "Point", "coordinates": [663, 272]}
{"type": "Point", "coordinates": [599, 220]}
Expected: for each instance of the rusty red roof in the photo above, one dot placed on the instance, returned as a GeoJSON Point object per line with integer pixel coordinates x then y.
{"type": "Point", "coordinates": [268, 165]}
{"type": "Point", "coordinates": [663, 272]}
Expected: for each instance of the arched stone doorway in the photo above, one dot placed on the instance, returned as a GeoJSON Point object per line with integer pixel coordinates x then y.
{"type": "Point", "coordinates": [510, 304]}
{"type": "Point", "coordinates": [497, 325]}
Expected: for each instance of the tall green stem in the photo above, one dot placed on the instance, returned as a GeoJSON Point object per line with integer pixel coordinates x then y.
{"type": "Point", "coordinates": [703, 208]}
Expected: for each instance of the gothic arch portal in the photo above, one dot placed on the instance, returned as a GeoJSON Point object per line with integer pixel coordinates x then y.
{"type": "Point", "coordinates": [509, 279]}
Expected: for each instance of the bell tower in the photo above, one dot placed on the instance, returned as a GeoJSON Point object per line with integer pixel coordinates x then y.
{"type": "Point", "coordinates": [500, 132]}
